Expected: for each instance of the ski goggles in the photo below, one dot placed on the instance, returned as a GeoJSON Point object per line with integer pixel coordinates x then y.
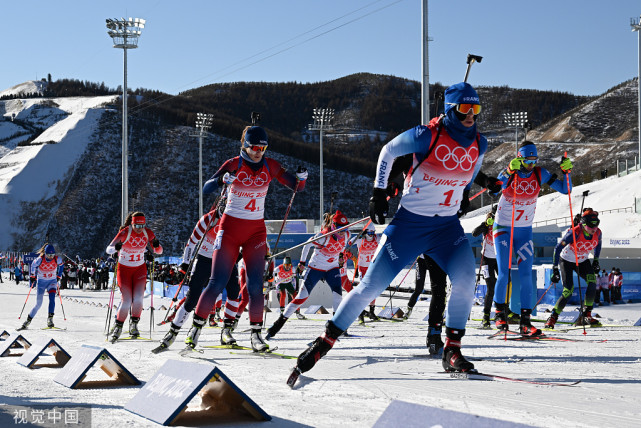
{"type": "Point", "coordinates": [592, 222]}
{"type": "Point", "coordinates": [466, 107]}
{"type": "Point", "coordinates": [50, 256]}
{"type": "Point", "coordinates": [257, 148]}
{"type": "Point", "coordinates": [527, 161]}
{"type": "Point", "coordinates": [138, 226]}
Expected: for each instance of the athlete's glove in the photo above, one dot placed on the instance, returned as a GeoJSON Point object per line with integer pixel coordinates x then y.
{"type": "Point", "coordinates": [566, 165]}
{"type": "Point", "coordinates": [118, 245]}
{"type": "Point", "coordinates": [489, 221]}
{"type": "Point", "coordinates": [515, 165]}
{"type": "Point", "coordinates": [301, 267]}
{"type": "Point", "coordinates": [393, 189]}
{"type": "Point", "coordinates": [227, 179]}
{"type": "Point", "coordinates": [155, 243]}
{"type": "Point", "coordinates": [378, 206]}
{"type": "Point", "coordinates": [493, 184]}
{"type": "Point", "coordinates": [556, 275]}
{"type": "Point", "coordinates": [595, 265]}
{"type": "Point", "coordinates": [183, 268]}
{"type": "Point", "coordinates": [465, 204]}
{"type": "Point", "coordinates": [301, 173]}
{"type": "Point", "coordinates": [341, 260]}
{"type": "Point", "coordinates": [32, 280]}
{"type": "Point", "coordinates": [149, 257]}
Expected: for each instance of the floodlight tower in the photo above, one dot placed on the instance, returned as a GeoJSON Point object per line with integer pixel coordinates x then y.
{"type": "Point", "coordinates": [125, 34]}
{"type": "Point", "coordinates": [636, 26]}
{"type": "Point", "coordinates": [322, 122]}
{"type": "Point", "coordinates": [203, 122]}
{"type": "Point", "coordinates": [517, 120]}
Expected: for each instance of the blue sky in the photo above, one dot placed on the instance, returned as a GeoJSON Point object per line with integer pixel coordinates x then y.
{"type": "Point", "coordinates": [580, 46]}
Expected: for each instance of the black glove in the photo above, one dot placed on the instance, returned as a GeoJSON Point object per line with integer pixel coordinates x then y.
{"type": "Point", "coordinates": [155, 243]}
{"type": "Point", "coordinates": [118, 245]}
{"type": "Point", "coordinates": [493, 184]}
{"type": "Point", "coordinates": [149, 257]}
{"type": "Point", "coordinates": [465, 203]}
{"type": "Point", "coordinates": [341, 260]}
{"type": "Point", "coordinates": [378, 206]}
{"type": "Point", "coordinates": [595, 265]}
{"type": "Point", "coordinates": [301, 267]}
{"type": "Point", "coordinates": [556, 275]}
{"type": "Point", "coordinates": [183, 268]}
{"type": "Point", "coordinates": [393, 189]}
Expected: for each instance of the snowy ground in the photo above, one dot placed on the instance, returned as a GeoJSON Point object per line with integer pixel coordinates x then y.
{"type": "Point", "coordinates": [360, 377]}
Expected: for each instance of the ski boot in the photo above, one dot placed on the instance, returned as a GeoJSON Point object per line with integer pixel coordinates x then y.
{"type": "Point", "coordinates": [513, 318]}
{"type": "Point", "coordinates": [453, 360]}
{"type": "Point", "coordinates": [525, 326]}
{"type": "Point", "coordinates": [371, 313]}
{"type": "Point", "coordinates": [408, 312]}
{"type": "Point", "coordinates": [168, 340]}
{"type": "Point", "coordinates": [212, 320]}
{"type": "Point", "coordinates": [317, 350]}
{"type": "Point", "coordinates": [26, 323]}
{"type": "Point", "coordinates": [50, 321]}
{"type": "Point", "coordinates": [275, 328]}
{"type": "Point", "coordinates": [225, 335]}
{"type": "Point", "coordinates": [258, 344]}
{"type": "Point", "coordinates": [194, 333]}
{"type": "Point", "coordinates": [433, 340]}
{"type": "Point", "coordinates": [587, 319]}
{"type": "Point", "coordinates": [235, 323]}
{"type": "Point", "coordinates": [133, 327]}
{"type": "Point", "coordinates": [500, 316]}
{"type": "Point", "coordinates": [552, 320]}
{"type": "Point", "coordinates": [299, 315]}
{"type": "Point", "coordinates": [361, 317]}
{"type": "Point", "coordinates": [116, 331]}
{"type": "Point", "coordinates": [485, 323]}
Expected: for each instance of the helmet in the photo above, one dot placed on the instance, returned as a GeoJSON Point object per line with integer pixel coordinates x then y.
{"type": "Point", "coordinates": [287, 260]}
{"type": "Point", "coordinates": [255, 136]}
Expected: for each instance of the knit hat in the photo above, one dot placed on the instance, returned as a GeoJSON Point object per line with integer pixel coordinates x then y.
{"type": "Point", "coordinates": [460, 93]}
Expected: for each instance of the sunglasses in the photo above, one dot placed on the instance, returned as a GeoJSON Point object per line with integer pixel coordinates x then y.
{"type": "Point", "coordinates": [258, 148]}
{"type": "Point", "coordinates": [138, 226]}
{"type": "Point", "coordinates": [530, 161]}
{"type": "Point", "coordinates": [465, 108]}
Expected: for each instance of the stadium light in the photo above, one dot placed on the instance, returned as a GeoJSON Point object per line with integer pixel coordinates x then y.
{"type": "Point", "coordinates": [517, 120]}
{"type": "Point", "coordinates": [203, 122]}
{"type": "Point", "coordinates": [322, 122]}
{"type": "Point", "coordinates": [125, 34]}
{"type": "Point", "coordinates": [636, 26]}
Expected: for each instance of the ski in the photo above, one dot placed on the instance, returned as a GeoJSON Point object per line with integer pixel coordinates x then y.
{"type": "Point", "coordinates": [134, 338]}
{"type": "Point", "coordinates": [268, 353]}
{"type": "Point", "coordinates": [293, 377]}
{"type": "Point", "coordinates": [230, 346]}
{"type": "Point", "coordinates": [488, 376]}
{"type": "Point", "coordinates": [54, 328]}
{"type": "Point", "coordinates": [188, 351]}
{"type": "Point", "coordinates": [512, 335]}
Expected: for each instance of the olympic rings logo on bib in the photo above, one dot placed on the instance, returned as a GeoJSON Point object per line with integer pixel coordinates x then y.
{"type": "Point", "coordinates": [525, 187]}
{"type": "Point", "coordinates": [249, 180]}
{"type": "Point", "coordinates": [584, 247]}
{"type": "Point", "coordinates": [334, 247]}
{"type": "Point", "coordinates": [138, 241]}
{"type": "Point", "coordinates": [457, 158]}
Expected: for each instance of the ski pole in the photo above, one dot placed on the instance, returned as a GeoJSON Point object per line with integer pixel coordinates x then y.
{"type": "Point", "coordinates": [545, 292]}
{"type": "Point", "coordinates": [399, 284]}
{"type": "Point", "coordinates": [289, 207]}
{"type": "Point", "coordinates": [509, 270]}
{"type": "Point", "coordinates": [61, 306]}
{"type": "Point", "coordinates": [111, 300]}
{"type": "Point", "coordinates": [576, 257]}
{"type": "Point", "coordinates": [25, 301]}
{"type": "Point", "coordinates": [151, 280]}
{"type": "Point", "coordinates": [309, 241]}
{"type": "Point", "coordinates": [185, 278]}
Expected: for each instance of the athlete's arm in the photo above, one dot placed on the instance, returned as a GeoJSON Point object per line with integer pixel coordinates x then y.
{"type": "Point", "coordinates": [416, 140]}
